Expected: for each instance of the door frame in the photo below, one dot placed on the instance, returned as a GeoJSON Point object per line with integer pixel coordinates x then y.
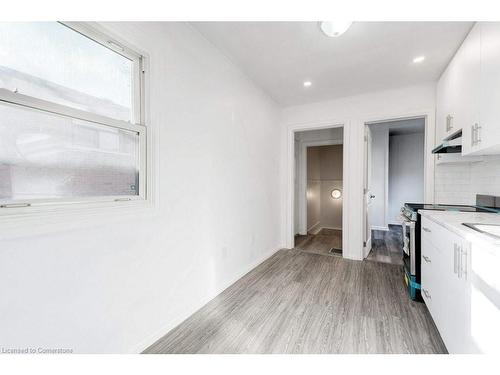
{"type": "Point", "coordinates": [352, 213]}
{"type": "Point", "coordinates": [429, 162]}
{"type": "Point", "coordinates": [367, 237]}
{"type": "Point", "coordinates": [290, 184]}
{"type": "Point", "coordinates": [302, 178]}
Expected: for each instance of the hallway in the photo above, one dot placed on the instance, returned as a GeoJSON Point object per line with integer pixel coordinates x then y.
{"type": "Point", "coordinates": [325, 242]}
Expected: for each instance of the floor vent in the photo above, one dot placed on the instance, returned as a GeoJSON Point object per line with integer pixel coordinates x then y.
{"type": "Point", "coordinates": [335, 251]}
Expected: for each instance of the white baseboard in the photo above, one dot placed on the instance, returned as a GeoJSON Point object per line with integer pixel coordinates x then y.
{"type": "Point", "coordinates": [314, 228]}
{"type": "Point", "coordinates": [319, 228]}
{"type": "Point", "coordinates": [334, 228]}
{"type": "Point", "coordinates": [367, 248]}
{"type": "Point", "coordinates": [376, 227]}
{"type": "Point", "coordinates": [150, 340]}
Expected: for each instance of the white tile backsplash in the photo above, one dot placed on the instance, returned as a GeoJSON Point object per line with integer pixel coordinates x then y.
{"type": "Point", "coordinates": [459, 183]}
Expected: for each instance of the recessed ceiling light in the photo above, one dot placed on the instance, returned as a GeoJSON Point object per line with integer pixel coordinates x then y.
{"type": "Point", "coordinates": [418, 59]}
{"type": "Point", "coordinates": [307, 83]}
{"type": "Point", "coordinates": [334, 28]}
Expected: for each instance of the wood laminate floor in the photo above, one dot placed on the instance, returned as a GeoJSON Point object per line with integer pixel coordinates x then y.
{"type": "Point", "coordinates": [298, 302]}
{"type": "Point", "coordinates": [320, 243]}
{"type": "Point", "coordinates": [387, 246]}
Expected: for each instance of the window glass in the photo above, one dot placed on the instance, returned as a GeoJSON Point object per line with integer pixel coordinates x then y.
{"type": "Point", "coordinates": [50, 61]}
{"type": "Point", "coordinates": [47, 156]}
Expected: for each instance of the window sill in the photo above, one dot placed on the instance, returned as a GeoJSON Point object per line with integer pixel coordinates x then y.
{"type": "Point", "coordinates": [31, 221]}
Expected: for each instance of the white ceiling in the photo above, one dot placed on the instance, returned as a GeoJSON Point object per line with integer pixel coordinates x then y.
{"type": "Point", "coordinates": [370, 56]}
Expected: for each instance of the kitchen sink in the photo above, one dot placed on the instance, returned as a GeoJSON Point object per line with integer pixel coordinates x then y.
{"type": "Point", "coordinates": [489, 229]}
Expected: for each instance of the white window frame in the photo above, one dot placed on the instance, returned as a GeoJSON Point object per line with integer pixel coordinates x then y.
{"type": "Point", "coordinates": [137, 124]}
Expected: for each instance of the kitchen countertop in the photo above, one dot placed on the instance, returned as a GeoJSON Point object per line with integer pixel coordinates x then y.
{"type": "Point", "coordinates": [452, 220]}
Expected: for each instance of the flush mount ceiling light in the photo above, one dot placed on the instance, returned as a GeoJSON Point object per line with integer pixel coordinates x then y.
{"type": "Point", "coordinates": [418, 59]}
{"type": "Point", "coordinates": [336, 193]}
{"type": "Point", "coordinates": [334, 28]}
{"type": "Point", "coordinates": [307, 83]}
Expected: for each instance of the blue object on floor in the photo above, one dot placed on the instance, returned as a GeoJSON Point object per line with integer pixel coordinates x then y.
{"type": "Point", "coordinates": [413, 286]}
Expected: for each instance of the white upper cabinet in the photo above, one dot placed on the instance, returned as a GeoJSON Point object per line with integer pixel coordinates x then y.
{"type": "Point", "coordinates": [468, 92]}
{"type": "Point", "coordinates": [481, 134]}
{"type": "Point", "coordinates": [441, 106]}
{"type": "Point", "coordinates": [445, 98]}
{"type": "Point", "coordinates": [468, 60]}
{"type": "Point", "coordinates": [458, 88]}
{"type": "Point", "coordinates": [487, 135]}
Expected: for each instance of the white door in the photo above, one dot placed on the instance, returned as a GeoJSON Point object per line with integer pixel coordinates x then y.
{"type": "Point", "coordinates": [368, 196]}
{"type": "Point", "coordinates": [296, 203]}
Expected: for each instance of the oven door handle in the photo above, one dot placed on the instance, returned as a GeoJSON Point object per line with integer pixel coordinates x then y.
{"type": "Point", "coordinates": [409, 224]}
{"type": "Point", "coordinates": [409, 244]}
{"type": "Point", "coordinates": [405, 219]}
{"type": "Point", "coordinates": [406, 241]}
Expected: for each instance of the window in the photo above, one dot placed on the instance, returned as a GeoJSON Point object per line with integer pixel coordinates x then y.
{"type": "Point", "coordinates": [71, 116]}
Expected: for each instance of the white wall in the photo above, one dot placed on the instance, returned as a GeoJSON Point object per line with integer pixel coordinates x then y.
{"type": "Point", "coordinates": [115, 283]}
{"type": "Point", "coordinates": [379, 176]}
{"type": "Point", "coordinates": [459, 183]}
{"type": "Point", "coordinates": [353, 112]}
{"type": "Point", "coordinates": [406, 172]}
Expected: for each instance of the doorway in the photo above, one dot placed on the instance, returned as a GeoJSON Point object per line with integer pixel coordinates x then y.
{"type": "Point", "coordinates": [394, 175]}
{"type": "Point", "coordinates": [318, 191]}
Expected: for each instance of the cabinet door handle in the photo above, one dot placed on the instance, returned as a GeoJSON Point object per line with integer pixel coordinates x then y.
{"type": "Point", "coordinates": [427, 259]}
{"type": "Point", "coordinates": [459, 257]}
{"type": "Point", "coordinates": [455, 258]}
{"type": "Point", "coordinates": [478, 133]}
{"type": "Point", "coordinates": [463, 263]}
{"type": "Point", "coordinates": [473, 135]}
{"type": "Point", "coordinates": [426, 229]}
{"type": "Point", "coordinates": [426, 293]}
{"type": "Point", "coordinates": [449, 123]}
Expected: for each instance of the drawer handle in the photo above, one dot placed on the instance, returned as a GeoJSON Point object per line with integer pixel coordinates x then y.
{"type": "Point", "coordinates": [427, 259]}
{"type": "Point", "coordinates": [426, 229]}
{"type": "Point", "coordinates": [426, 293]}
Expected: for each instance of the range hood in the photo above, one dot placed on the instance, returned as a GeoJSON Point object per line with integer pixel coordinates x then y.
{"type": "Point", "coordinates": [451, 144]}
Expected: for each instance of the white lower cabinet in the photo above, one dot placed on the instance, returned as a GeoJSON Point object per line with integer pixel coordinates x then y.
{"type": "Point", "coordinates": [430, 284]}
{"type": "Point", "coordinates": [485, 299]}
{"type": "Point", "coordinates": [446, 285]}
